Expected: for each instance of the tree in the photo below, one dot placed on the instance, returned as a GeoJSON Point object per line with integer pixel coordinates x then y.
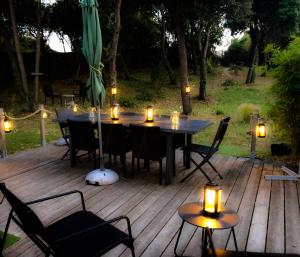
{"type": "Point", "coordinates": [18, 52]}
{"type": "Point", "coordinates": [114, 45]}
{"type": "Point", "coordinates": [37, 52]}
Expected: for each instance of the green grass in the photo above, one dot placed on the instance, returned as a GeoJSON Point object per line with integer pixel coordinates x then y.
{"type": "Point", "coordinates": [10, 239]}
{"type": "Point", "coordinates": [166, 98]}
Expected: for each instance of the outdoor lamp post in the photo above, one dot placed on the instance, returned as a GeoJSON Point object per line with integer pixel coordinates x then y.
{"type": "Point", "coordinates": [149, 114]}
{"type": "Point", "coordinates": [212, 199]}
{"type": "Point", "coordinates": [261, 129]}
{"type": "Point", "coordinates": [8, 126]}
{"type": "Point", "coordinates": [114, 111]}
{"type": "Point", "coordinates": [187, 89]}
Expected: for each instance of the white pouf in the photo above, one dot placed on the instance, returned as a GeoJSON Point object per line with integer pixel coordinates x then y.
{"type": "Point", "coordinates": [102, 177]}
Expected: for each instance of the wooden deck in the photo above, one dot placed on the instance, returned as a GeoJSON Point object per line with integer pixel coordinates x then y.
{"type": "Point", "coordinates": [268, 211]}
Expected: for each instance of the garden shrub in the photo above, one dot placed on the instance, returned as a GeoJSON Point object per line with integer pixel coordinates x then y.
{"type": "Point", "coordinates": [245, 110]}
{"type": "Point", "coordinates": [127, 102]}
{"type": "Point", "coordinates": [229, 83]}
{"type": "Point", "coordinates": [286, 109]}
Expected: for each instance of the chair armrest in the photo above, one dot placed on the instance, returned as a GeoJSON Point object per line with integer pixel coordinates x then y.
{"type": "Point", "coordinates": [96, 227]}
{"type": "Point", "coordinates": [60, 195]}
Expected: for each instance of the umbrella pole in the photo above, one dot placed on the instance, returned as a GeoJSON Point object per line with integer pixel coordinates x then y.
{"type": "Point", "coordinates": [101, 157]}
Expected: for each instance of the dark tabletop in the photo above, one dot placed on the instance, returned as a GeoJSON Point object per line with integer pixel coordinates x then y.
{"type": "Point", "coordinates": [185, 126]}
{"type": "Point", "coordinates": [193, 214]}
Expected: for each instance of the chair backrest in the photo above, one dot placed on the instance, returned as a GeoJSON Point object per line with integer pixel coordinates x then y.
{"type": "Point", "coordinates": [220, 133]}
{"type": "Point", "coordinates": [82, 135]}
{"type": "Point", "coordinates": [148, 142]}
{"type": "Point", "coordinates": [29, 221]}
{"type": "Point", "coordinates": [47, 89]}
{"type": "Point", "coordinates": [113, 138]}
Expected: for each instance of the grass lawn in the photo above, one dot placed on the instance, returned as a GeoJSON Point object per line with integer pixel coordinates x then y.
{"type": "Point", "coordinates": [10, 240]}
{"type": "Point", "coordinates": [140, 92]}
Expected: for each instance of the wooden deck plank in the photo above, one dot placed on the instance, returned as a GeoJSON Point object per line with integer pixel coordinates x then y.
{"type": "Point", "coordinates": [292, 218]}
{"type": "Point", "coordinates": [153, 208]}
{"type": "Point", "coordinates": [258, 230]}
{"type": "Point", "coordinates": [275, 236]}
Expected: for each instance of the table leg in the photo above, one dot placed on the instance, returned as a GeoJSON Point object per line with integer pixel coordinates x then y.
{"type": "Point", "coordinates": [177, 241]}
{"type": "Point", "coordinates": [169, 159]}
{"type": "Point", "coordinates": [234, 239]}
{"type": "Point", "coordinates": [188, 151]}
{"type": "Point", "coordinates": [207, 241]}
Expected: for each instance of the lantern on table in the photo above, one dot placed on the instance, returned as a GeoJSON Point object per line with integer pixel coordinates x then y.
{"type": "Point", "coordinates": [149, 114]}
{"type": "Point", "coordinates": [114, 111]}
{"type": "Point", "coordinates": [212, 199]}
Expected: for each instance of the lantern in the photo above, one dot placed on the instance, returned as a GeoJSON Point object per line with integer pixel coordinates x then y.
{"type": "Point", "coordinates": [187, 89]}
{"type": "Point", "coordinates": [149, 114]}
{"type": "Point", "coordinates": [174, 118]}
{"type": "Point", "coordinates": [114, 111]}
{"type": "Point", "coordinates": [261, 129]}
{"type": "Point", "coordinates": [44, 115]}
{"type": "Point", "coordinates": [8, 125]}
{"type": "Point", "coordinates": [113, 90]}
{"type": "Point", "coordinates": [212, 199]}
{"type": "Point", "coordinates": [75, 108]}
{"type": "Point", "coordinates": [92, 113]}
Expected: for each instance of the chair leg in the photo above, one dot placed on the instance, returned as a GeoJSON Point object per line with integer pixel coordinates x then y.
{"type": "Point", "coordinates": [138, 163]}
{"type": "Point", "coordinates": [174, 163]}
{"type": "Point", "coordinates": [160, 171]}
{"type": "Point", "coordinates": [132, 167]}
{"type": "Point", "coordinates": [209, 163]}
{"type": "Point", "coordinates": [65, 154]}
{"type": "Point", "coordinates": [124, 164]}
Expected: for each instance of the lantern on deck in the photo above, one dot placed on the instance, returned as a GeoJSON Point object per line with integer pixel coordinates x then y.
{"type": "Point", "coordinates": [113, 90]}
{"type": "Point", "coordinates": [187, 89]}
{"type": "Point", "coordinates": [149, 114]}
{"type": "Point", "coordinates": [261, 129]}
{"type": "Point", "coordinates": [114, 111]}
{"type": "Point", "coordinates": [8, 125]}
{"type": "Point", "coordinates": [212, 199]}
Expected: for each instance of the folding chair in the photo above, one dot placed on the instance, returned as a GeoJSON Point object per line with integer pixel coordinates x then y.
{"type": "Point", "coordinates": [206, 152]}
{"type": "Point", "coordinates": [80, 234]}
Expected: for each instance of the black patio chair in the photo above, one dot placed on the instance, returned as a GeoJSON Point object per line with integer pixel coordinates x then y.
{"type": "Point", "coordinates": [116, 142]}
{"type": "Point", "coordinates": [148, 143]}
{"type": "Point", "coordinates": [48, 93]}
{"type": "Point", "coordinates": [80, 234]}
{"type": "Point", "coordinates": [206, 152]}
{"type": "Point", "coordinates": [62, 115]}
{"type": "Point", "coordinates": [82, 137]}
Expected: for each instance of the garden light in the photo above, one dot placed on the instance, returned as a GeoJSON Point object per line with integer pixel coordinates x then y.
{"type": "Point", "coordinates": [44, 115]}
{"type": "Point", "coordinates": [261, 130]}
{"type": "Point", "coordinates": [7, 125]}
{"type": "Point", "coordinates": [187, 89]}
{"type": "Point", "coordinates": [113, 90]}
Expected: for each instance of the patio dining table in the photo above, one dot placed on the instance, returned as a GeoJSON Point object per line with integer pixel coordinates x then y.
{"type": "Point", "coordinates": [187, 127]}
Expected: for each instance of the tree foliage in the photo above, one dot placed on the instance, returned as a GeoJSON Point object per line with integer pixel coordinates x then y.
{"type": "Point", "coordinates": [286, 111]}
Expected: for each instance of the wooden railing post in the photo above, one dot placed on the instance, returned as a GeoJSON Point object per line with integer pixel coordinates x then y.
{"type": "Point", "coordinates": [253, 123]}
{"type": "Point", "coordinates": [3, 151]}
{"type": "Point", "coordinates": [42, 125]}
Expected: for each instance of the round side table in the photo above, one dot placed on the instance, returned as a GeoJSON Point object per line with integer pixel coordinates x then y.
{"type": "Point", "coordinates": [193, 214]}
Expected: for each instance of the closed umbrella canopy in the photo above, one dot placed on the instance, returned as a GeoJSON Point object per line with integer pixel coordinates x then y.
{"type": "Point", "coordinates": [92, 50]}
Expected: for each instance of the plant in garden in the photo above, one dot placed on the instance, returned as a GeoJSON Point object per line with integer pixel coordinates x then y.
{"type": "Point", "coordinates": [286, 110]}
{"type": "Point", "coordinates": [245, 110]}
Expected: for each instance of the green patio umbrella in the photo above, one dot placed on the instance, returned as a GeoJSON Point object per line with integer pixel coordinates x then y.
{"type": "Point", "coordinates": [92, 50]}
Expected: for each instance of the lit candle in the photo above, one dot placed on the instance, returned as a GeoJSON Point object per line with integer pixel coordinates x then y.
{"type": "Point", "coordinates": [114, 111]}
{"type": "Point", "coordinates": [149, 114]}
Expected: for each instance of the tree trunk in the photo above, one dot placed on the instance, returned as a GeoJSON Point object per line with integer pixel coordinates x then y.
{"type": "Point", "coordinates": [203, 47]}
{"type": "Point", "coordinates": [114, 46]}
{"type": "Point", "coordinates": [18, 52]}
{"type": "Point", "coordinates": [254, 34]}
{"type": "Point", "coordinates": [193, 49]}
{"type": "Point", "coordinates": [164, 53]}
{"type": "Point", "coordinates": [37, 54]}
{"type": "Point", "coordinates": [124, 65]}
{"type": "Point", "coordinates": [183, 69]}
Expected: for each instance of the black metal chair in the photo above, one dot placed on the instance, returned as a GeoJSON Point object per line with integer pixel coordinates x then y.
{"type": "Point", "coordinates": [206, 152]}
{"type": "Point", "coordinates": [79, 234]}
{"type": "Point", "coordinates": [48, 93]}
{"type": "Point", "coordinates": [116, 141]}
{"type": "Point", "coordinates": [62, 115]}
{"type": "Point", "coordinates": [82, 137]}
{"type": "Point", "coordinates": [148, 143]}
